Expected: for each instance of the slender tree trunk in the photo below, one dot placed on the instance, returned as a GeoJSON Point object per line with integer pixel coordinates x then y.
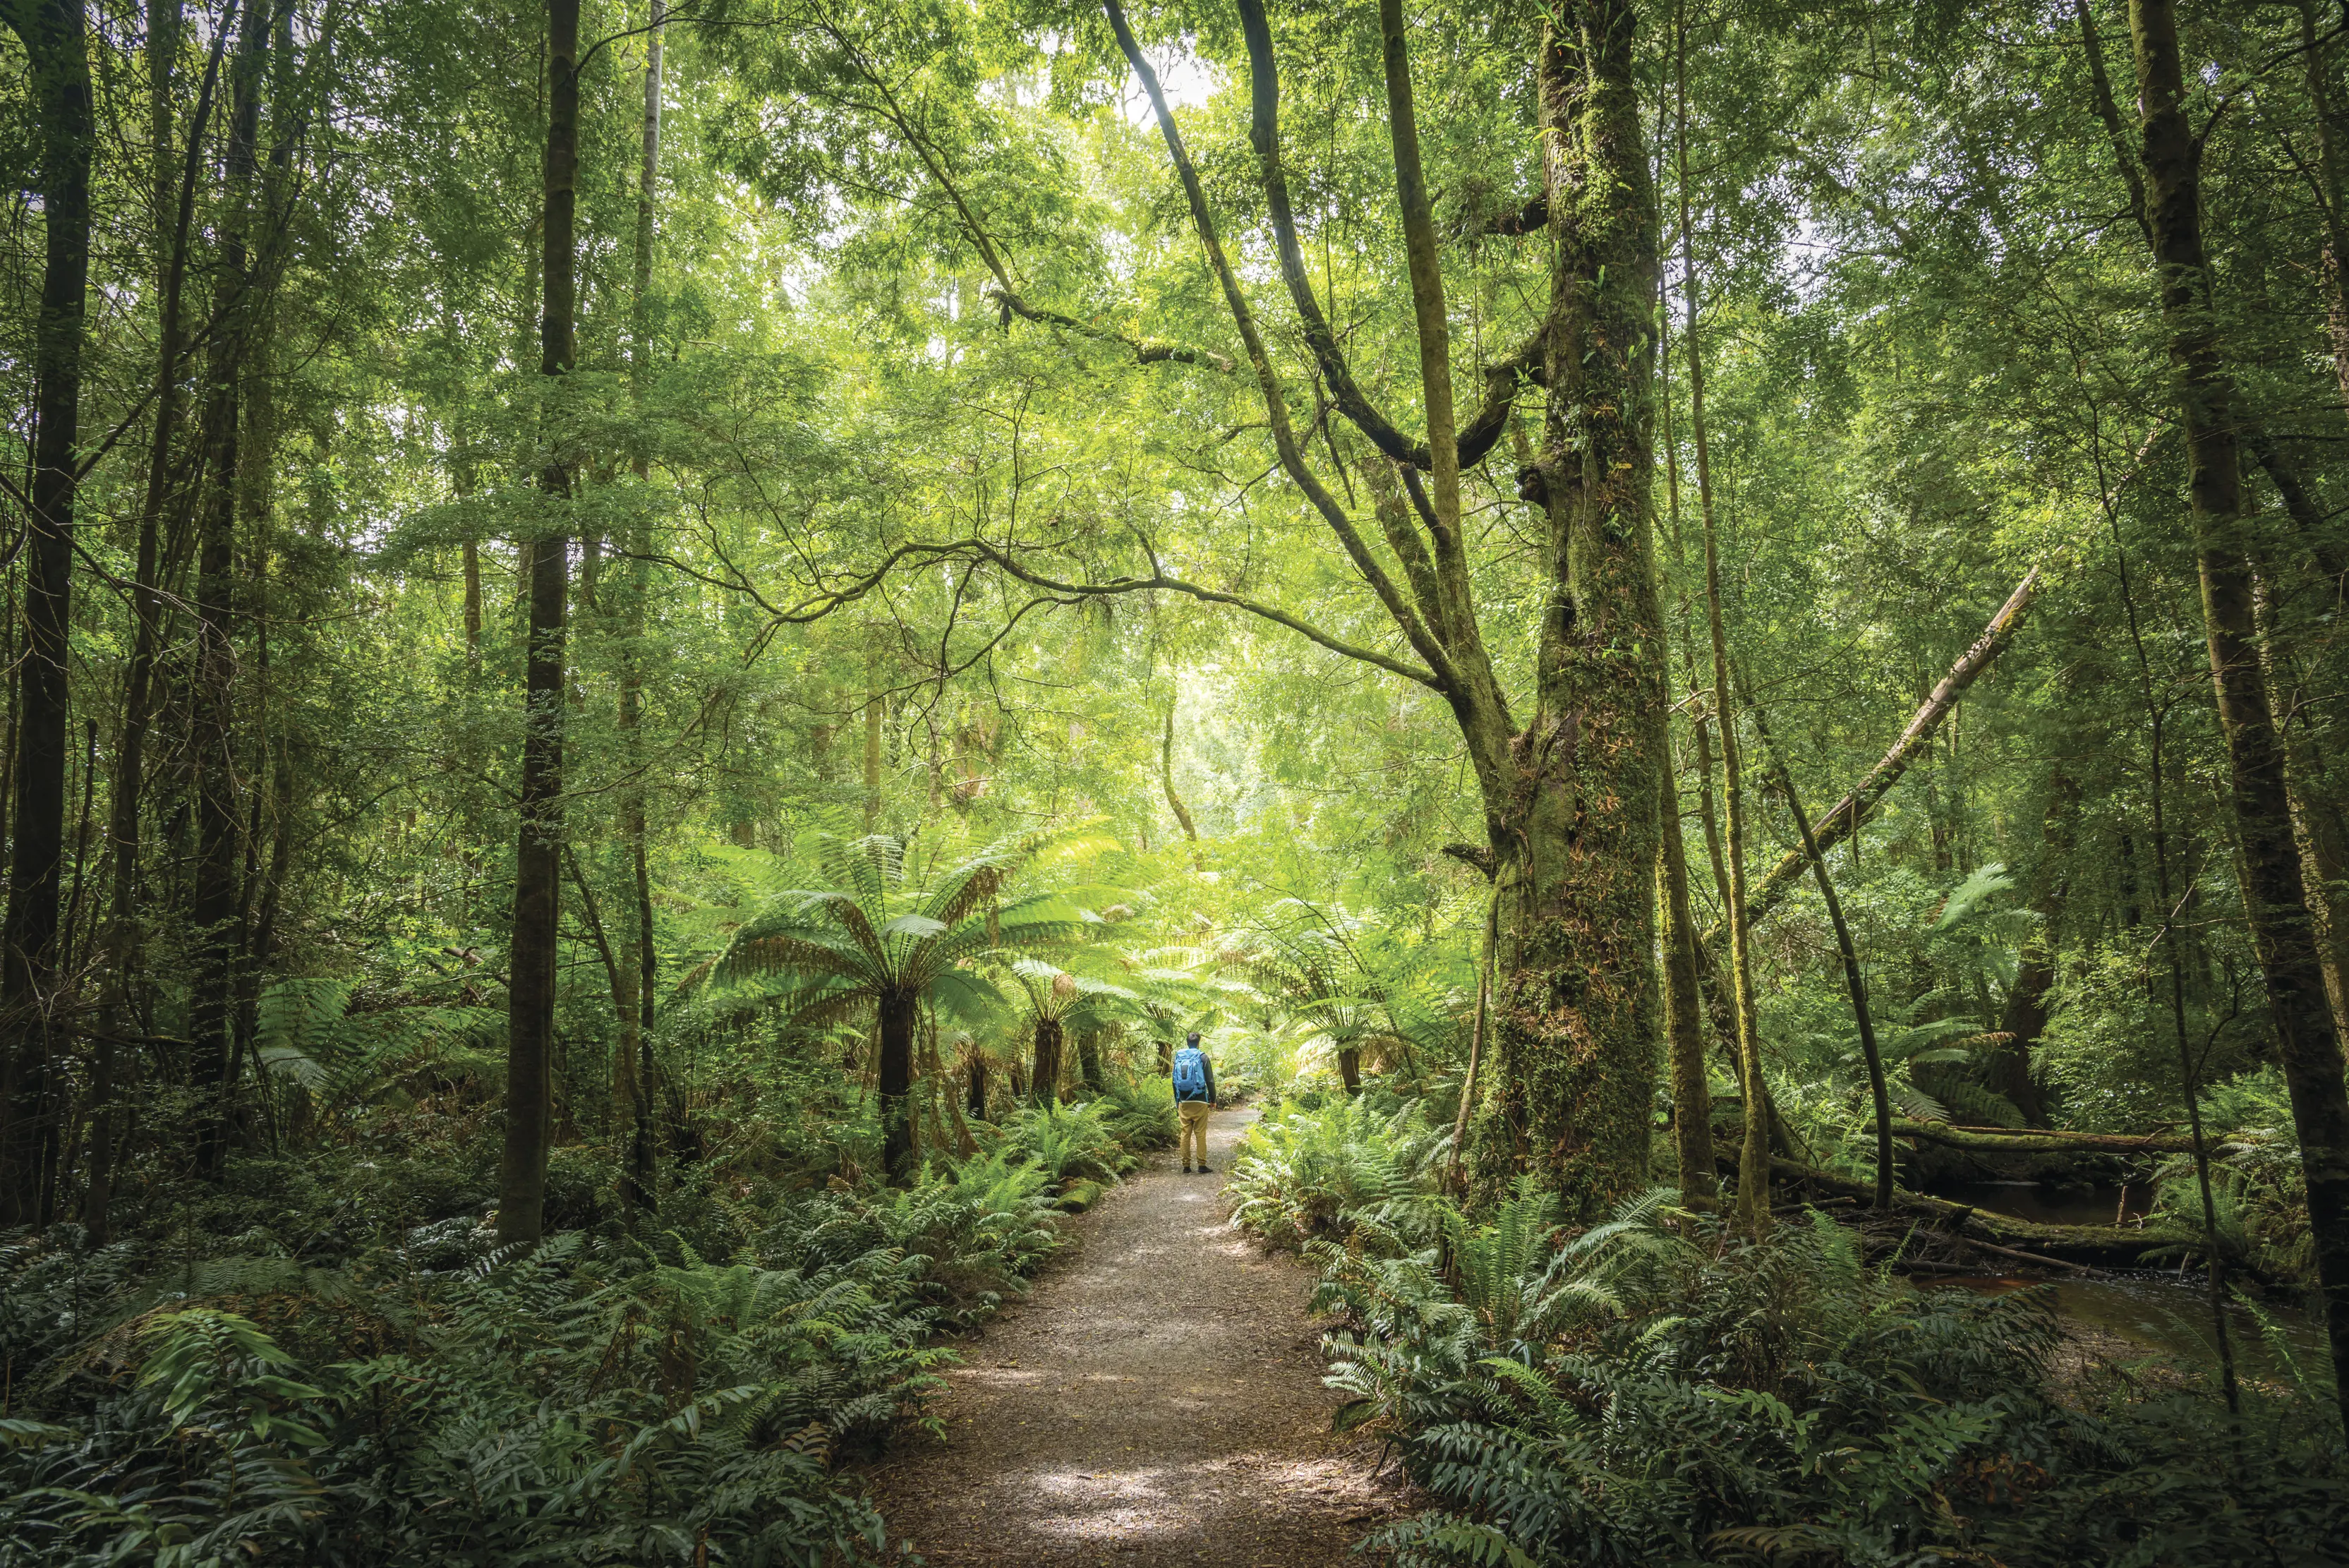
{"type": "Point", "coordinates": [81, 851]}
{"type": "Point", "coordinates": [1684, 1017]}
{"type": "Point", "coordinates": [531, 967]}
{"type": "Point", "coordinates": [978, 1073]}
{"type": "Point", "coordinates": [213, 912]}
{"type": "Point", "coordinates": [1684, 1021]}
{"type": "Point", "coordinates": [634, 1075]}
{"type": "Point", "coordinates": [55, 39]}
{"type": "Point", "coordinates": [2189, 1079]}
{"type": "Point", "coordinates": [1166, 783]}
{"type": "Point", "coordinates": [473, 563]}
{"type": "Point", "coordinates": [1754, 1158]}
{"type": "Point", "coordinates": [647, 189]}
{"type": "Point", "coordinates": [872, 737]}
{"type": "Point", "coordinates": [1477, 1028]}
{"type": "Point", "coordinates": [2278, 905]}
{"type": "Point", "coordinates": [1349, 1069]}
{"type": "Point", "coordinates": [1854, 982]}
{"type": "Point", "coordinates": [1089, 1063]}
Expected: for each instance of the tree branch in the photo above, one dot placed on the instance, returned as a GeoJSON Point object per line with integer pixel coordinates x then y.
{"type": "Point", "coordinates": [1482, 432]}
{"type": "Point", "coordinates": [1424, 643]}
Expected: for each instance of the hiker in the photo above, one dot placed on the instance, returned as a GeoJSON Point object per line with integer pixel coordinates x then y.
{"type": "Point", "coordinates": [1194, 1097]}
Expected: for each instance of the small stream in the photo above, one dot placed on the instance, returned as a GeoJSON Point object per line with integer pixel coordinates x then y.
{"type": "Point", "coordinates": [2170, 1317]}
{"type": "Point", "coordinates": [2168, 1314]}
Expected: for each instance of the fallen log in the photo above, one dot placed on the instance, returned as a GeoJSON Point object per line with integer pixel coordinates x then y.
{"type": "Point", "coordinates": [1975, 1140]}
{"type": "Point", "coordinates": [2108, 1245]}
{"type": "Point", "coordinates": [1849, 812]}
{"type": "Point", "coordinates": [1981, 1246]}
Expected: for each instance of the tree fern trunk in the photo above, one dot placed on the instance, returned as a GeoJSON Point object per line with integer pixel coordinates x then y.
{"type": "Point", "coordinates": [896, 1085]}
{"type": "Point", "coordinates": [1046, 1080]}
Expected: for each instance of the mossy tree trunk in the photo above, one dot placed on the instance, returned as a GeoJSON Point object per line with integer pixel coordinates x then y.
{"type": "Point", "coordinates": [1577, 1009]}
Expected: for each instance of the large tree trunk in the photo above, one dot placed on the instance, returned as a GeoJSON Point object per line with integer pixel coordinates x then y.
{"type": "Point", "coordinates": [538, 852]}
{"type": "Point", "coordinates": [55, 38]}
{"type": "Point", "coordinates": [1089, 1063]}
{"type": "Point", "coordinates": [2276, 896]}
{"type": "Point", "coordinates": [1349, 1069]}
{"type": "Point", "coordinates": [1577, 1009]}
{"type": "Point", "coordinates": [1570, 797]}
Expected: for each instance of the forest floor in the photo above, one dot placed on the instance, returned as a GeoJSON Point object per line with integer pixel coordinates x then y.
{"type": "Point", "coordinates": [1156, 1400]}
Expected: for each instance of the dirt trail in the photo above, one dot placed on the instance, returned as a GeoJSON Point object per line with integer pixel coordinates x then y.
{"type": "Point", "coordinates": [1157, 1400]}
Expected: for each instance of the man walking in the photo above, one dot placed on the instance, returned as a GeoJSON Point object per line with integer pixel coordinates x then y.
{"type": "Point", "coordinates": [1194, 1097]}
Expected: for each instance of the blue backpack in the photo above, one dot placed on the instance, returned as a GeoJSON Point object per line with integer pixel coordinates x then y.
{"type": "Point", "coordinates": [1190, 1074]}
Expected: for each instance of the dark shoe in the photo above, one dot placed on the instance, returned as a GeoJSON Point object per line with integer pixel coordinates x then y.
{"type": "Point", "coordinates": [1206, 1170]}
{"type": "Point", "coordinates": [1186, 1170]}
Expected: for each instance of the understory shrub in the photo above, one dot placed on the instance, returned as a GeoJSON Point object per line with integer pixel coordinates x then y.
{"type": "Point", "coordinates": [1141, 1116]}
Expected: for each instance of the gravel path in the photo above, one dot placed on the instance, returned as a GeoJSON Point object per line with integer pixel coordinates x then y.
{"type": "Point", "coordinates": [1157, 1400]}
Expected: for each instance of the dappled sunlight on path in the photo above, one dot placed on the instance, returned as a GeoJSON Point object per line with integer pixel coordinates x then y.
{"type": "Point", "coordinates": [1157, 1400]}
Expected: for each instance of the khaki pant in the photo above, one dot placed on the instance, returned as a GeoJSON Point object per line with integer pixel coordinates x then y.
{"type": "Point", "coordinates": [1194, 1127]}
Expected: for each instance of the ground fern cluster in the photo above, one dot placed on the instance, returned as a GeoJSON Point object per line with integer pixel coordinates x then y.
{"type": "Point", "coordinates": [680, 1392]}
{"type": "Point", "coordinates": [1654, 1391]}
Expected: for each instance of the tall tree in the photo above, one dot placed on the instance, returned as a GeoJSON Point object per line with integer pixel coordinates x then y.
{"type": "Point", "coordinates": [1753, 1153]}
{"type": "Point", "coordinates": [2275, 896]}
{"type": "Point", "coordinates": [55, 36]}
{"type": "Point", "coordinates": [216, 911]}
{"type": "Point", "coordinates": [538, 850]}
{"type": "Point", "coordinates": [634, 996]}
